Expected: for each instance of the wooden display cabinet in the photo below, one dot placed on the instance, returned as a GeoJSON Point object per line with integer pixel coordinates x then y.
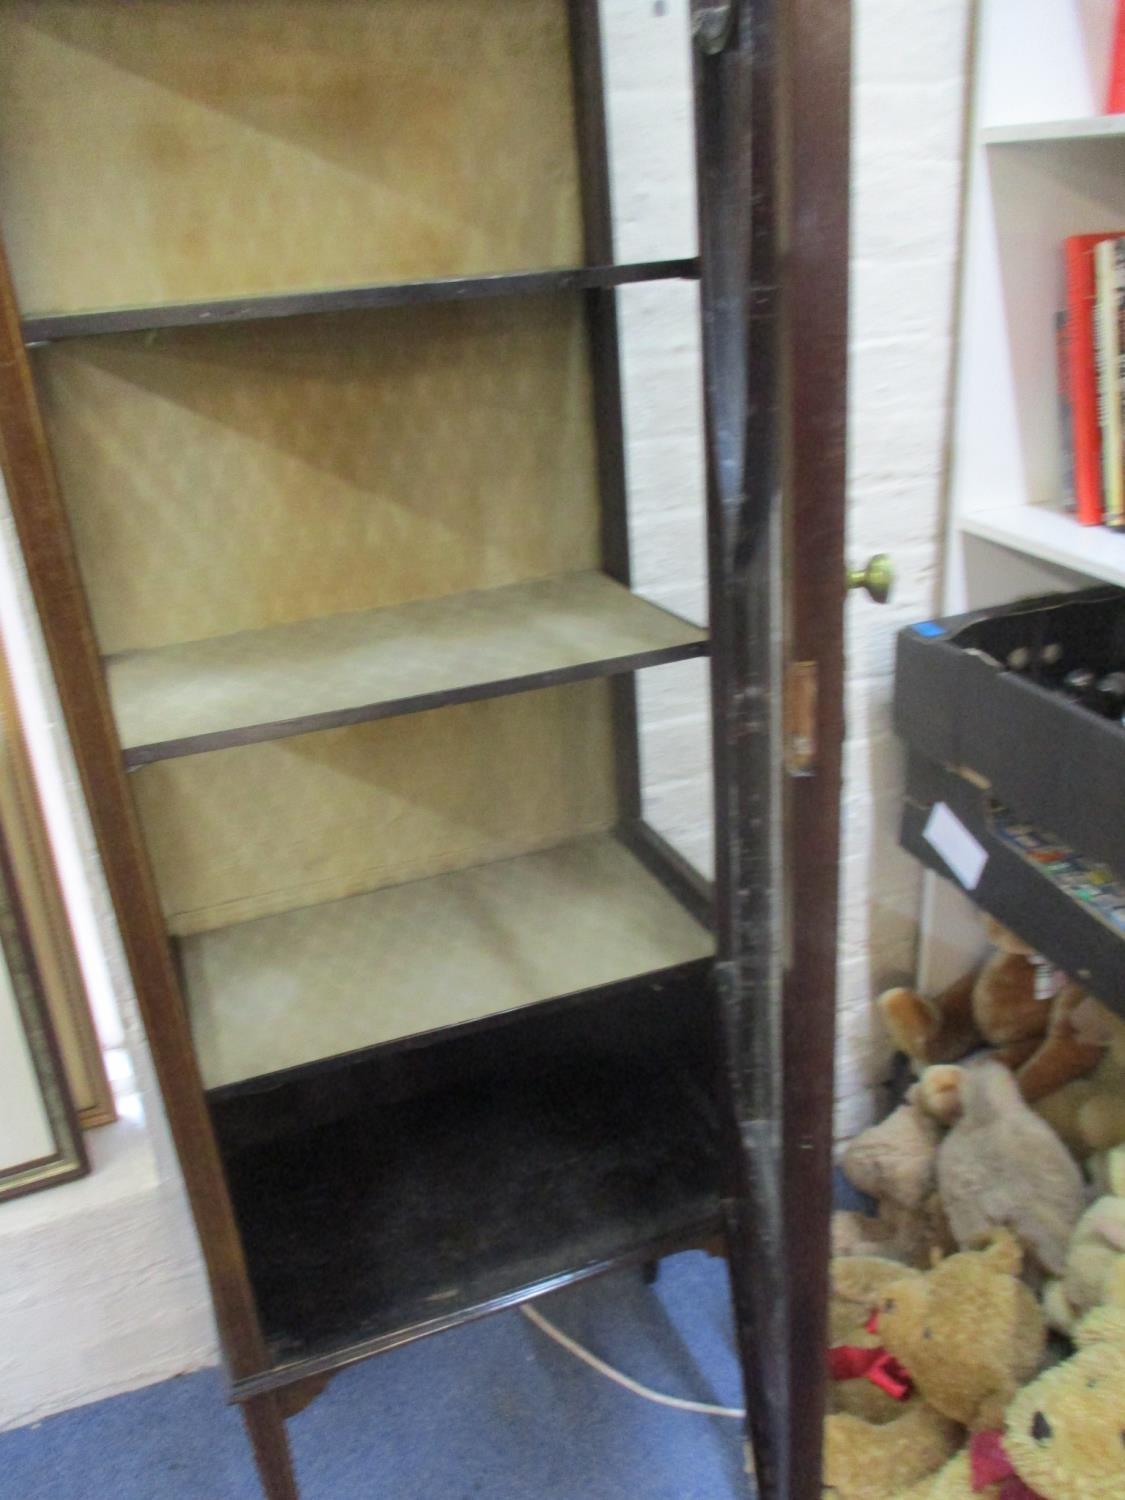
{"type": "Point", "coordinates": [310, 411]}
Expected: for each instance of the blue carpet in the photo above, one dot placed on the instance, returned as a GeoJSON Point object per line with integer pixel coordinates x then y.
{"type": "Point", "coordinates": [493, 1409]}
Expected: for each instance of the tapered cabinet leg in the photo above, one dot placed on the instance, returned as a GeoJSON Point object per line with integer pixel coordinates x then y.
{"type": "Point", "coordinates": [265, 1425]}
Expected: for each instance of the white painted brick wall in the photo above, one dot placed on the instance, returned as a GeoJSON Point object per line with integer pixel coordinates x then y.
{"type": "Point", "coordinates": [910, 83]}
{"type": "Point", "coordinates": [908, 100]}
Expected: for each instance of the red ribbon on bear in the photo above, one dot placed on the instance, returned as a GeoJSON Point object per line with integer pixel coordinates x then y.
{"type": "Point", "coordinates": [990, 1464]}
{"type": "Point", "coordinates": [850, 1362]}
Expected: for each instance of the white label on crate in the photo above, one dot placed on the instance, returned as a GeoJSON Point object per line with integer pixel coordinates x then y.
{"type": "Point", "coordinates": [945, 832]}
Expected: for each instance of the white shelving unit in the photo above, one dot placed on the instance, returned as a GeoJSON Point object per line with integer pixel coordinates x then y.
{"type": "Point", "coordinates": [1051, 536]}
{"type": "Point", "coordinates": [1089, 128]}
{"type": "Point", "coordinates": [1044, 163]}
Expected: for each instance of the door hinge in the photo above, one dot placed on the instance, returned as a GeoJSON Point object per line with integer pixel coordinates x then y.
{"type": "Point", "coordinates": [800, 718]}
{"type": "Point", "coordinates": [712, 24]}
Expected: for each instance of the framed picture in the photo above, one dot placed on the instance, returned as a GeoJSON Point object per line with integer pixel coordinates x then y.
{"type": "Point", "coordinates": [40, 1138]}
{"type": "Point", "coordinates": [34, 893]}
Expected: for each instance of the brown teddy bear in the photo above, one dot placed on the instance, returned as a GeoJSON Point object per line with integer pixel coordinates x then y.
{"type": "Point", "coordinates": [1001, 1166]}
{"type": "Point", "coordinates": [895, 1162]}
{"type": "Point", "coordinates": [1063, 1436]}
{"type": "Point", "coordinates": [1042, 1026]}
{"type": "Point", "coordinates": [968, 1333]}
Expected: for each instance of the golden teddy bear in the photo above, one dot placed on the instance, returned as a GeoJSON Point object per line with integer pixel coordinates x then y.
{"type": "Point", "coordinates": [859, 1285]}
{"type": "Point", "coordinates": [1064, 1434]}
{"type": "Point", "coordinates": [1089, 1112]}
{"type": "Point", "coordinates": [968, 1333]}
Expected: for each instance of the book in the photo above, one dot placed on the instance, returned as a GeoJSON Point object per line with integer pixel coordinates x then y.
{"type": "Point", "coordinates": [1109, 276]}
{"type": "Point", "coordinates": [1116, 517]}
{"type": "Point", "coordinates": [1065, 409]}
{"type": "Point", "coordinates": [1106, 363]}
{"type": "Point", "coordinates": [1115, 93]}
{"type": "Point", "coordinates": [1081, 298]}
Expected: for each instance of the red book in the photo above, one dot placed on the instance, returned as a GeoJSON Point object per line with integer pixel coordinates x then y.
{"type": "Point", "coordinates": [1115, 95]}
{"type": "Point", "coordinates": [1081, 299]}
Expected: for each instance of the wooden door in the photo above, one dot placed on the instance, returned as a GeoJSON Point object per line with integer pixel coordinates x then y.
{"type": "Point", "coordinates": [773, 79]}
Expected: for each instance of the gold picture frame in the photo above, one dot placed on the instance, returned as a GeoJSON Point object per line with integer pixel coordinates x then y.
{"type": "Point", "coordinates": [34, 896]}
{"type": "Point", "coordinates": [40, 1139]}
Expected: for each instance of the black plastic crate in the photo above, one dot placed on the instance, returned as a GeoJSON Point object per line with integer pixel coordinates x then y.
{"type": "Point", "coordinates": [1056, 763]}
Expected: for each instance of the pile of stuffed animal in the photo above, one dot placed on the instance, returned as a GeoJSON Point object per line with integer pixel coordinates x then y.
{"type": "Point", "coordinates": [978, 1318]}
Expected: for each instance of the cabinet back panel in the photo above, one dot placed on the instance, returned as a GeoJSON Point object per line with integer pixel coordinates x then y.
{"type": "Point", "coordinates": [171, 151]}
{"type": "Point", "coordinates": [227, 478]}
{"type": "Point", "coordinates": [236, 834]}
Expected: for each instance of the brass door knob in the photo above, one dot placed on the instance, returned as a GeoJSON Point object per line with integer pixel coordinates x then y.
{"type": "Point", "coordinates": [877, 578]}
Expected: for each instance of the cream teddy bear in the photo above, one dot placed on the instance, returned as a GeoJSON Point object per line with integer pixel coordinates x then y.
{"type": "Point", "coordinates": [1095, 1262]}
{"type": "Point", "coordinates": [895, 1162]}
{"type": "Point", "coordinates": [1002, 1167]}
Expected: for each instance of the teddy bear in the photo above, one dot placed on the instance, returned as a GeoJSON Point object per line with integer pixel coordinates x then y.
{"type": "Point", "coordinates": [967, 1332]}
{"type": "Point", "coordinates": [895, 1162]}
{"type": "Point", "coordinates": [1089, 1113]}
{"type": "Point", "coordinates": [1095, 1261]}
{"type": "Point", "coordinates": [1001, 1166]}
{"type": "Point", "coordinates": [1043, 1027]}
{"type": "Point", "coordinates": [857, 1284]}
{"type": "Point", "coordinates": [1063, 1436]}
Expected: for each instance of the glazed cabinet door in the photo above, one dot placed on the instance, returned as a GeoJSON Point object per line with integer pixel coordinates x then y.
{"type": "Point", "coordinates": [772, 88]}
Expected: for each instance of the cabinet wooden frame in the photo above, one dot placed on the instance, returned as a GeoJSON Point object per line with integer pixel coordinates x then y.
{"type": "Point", "coordinates": [45, 537]}
{"type": "Point", "coordinates": [44, 534]}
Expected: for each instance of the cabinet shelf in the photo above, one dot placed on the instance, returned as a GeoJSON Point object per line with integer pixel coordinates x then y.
{"type": "Point", "coordinates": [349, 669]}
{"type": "Point", "coordinates": [287, 991]}
{"type": "Point", "coordinates": [43, 328]}
{"type": "Point", "coordinates": [1053, 536]}
{"type": "Point", "coordinates": [522, 1162]}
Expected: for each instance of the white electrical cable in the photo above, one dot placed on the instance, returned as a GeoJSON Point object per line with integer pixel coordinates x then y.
{"type": "Point", "coordinates": [533, 1315]}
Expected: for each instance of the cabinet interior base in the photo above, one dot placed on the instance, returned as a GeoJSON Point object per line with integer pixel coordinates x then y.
{"type": "Point", "coordinates": [422, 1188]}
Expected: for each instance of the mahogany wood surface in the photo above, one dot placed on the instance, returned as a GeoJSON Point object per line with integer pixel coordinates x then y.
{"type": "Point", "coordinates": [813, 101]}
{"type": "Point", "coordinates": [45, 539]}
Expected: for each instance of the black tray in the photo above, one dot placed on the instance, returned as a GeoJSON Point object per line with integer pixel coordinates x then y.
{"type": "Point", "coordinates": [1025, 896]}
{"type": "Point", "coordinates": [1053, 762]}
